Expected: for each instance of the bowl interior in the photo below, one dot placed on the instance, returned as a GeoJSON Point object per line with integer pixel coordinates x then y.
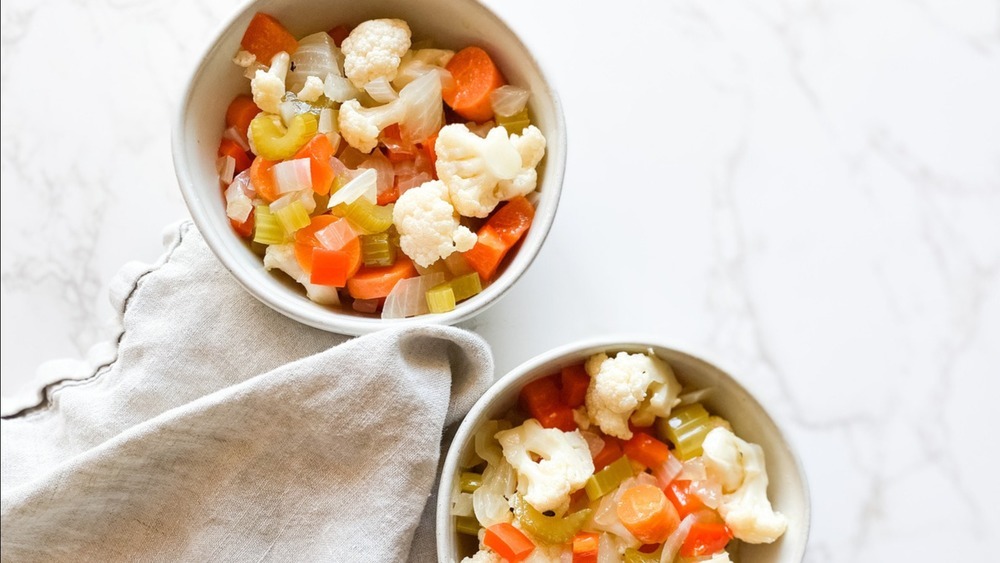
{"type": "Point", "coordinates": [787, 489]}
{"type": "Point", "coordinates": [449, 23]}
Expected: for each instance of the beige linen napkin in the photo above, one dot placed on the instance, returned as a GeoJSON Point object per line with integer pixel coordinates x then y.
{"type": "Point", "coordinates": [219, 430]}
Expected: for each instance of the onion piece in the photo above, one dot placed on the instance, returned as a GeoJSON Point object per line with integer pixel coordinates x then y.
{"type": "Point", "coordinates": [408, 297]}
{"type": "Point", "coordinates": [667, 471]}
{"type": "Point", "coordinates": [226, 165]}
{"type": "Point", "coordinates": [381, 91]}
{"type": "Point", "coordinates": [696, 396]}
{"type": "Point", "coordinates": [292, 175]}
{"type": "Point", "coordinates": [314, 57]}
{"type": "Point", "coordinates": [489, 501]}
{"type": "Point", "coordinates": [607, 550]}
{"type": "Point", "coordinates": [363, 185]}
{"type": "Point", "coordinates": [594, 442]}
{"type": "Point", "coordinates": [708, 491]}
{"type": "Point", "coordinates": [238, 137]}
{"type": "Point", "coordinates": [339, 89]}
{"type": "Point", "coordinates": [411, 182]}
{"type": "Point", "coordinates": [365, 305]}
{"type": "Point", "coordinates": [461, 504]}
{"type": "Point", "coordinates": [424, 108]}
{"type": "Point", "coordinates": [694, 470]}
{"type": "Point", "coordinates": [305, 197]}
{"type": "Point", "coordinates": [673, 542]}
{"type": "Point", "coordinates": [291, 107]}
{"type": "Point", "coordinates": [336, 235]}
{"type": "Point", "coordinates": [239, 197]}
{"type": "Point", "coordinates": [328, 127]}
{"type": "Point", "coordinates": [382, 167]}
{"type": "Point", "coordinates": [508, 100]}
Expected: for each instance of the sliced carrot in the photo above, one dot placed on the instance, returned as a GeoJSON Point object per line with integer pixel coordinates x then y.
{"type": "Point", "coordinates": [610, 453]}
{"type": "Point", "coordinates": [388, 196]}
{"type": "Point", "coordinates": [708, 535]}
{"type": "Point", "coordinates": [680, 495]}
{"type": "Point", "coordinates": [240, 113]}
{"type": "Point", "coordinates": [646, 449]}
{"type": "Point", "coordinates": [262, 178]}
{"type": "Point", "coordinates": [645, 511]}
{"type": "Point", "coordinates": [329, 267]}
{"type": "Point", "coordinates": [244, 229]}
{"type": "Point", "coordinates": [486, 255]}
{"type": "Point", "coordinates": [574, 385]}
{"type": "Point", "coordinates": [265, 37]}
{"type": "Point", "coordinates": [476, 77]}
{"type": "Point", "coordinates": [306, 242]}
{"type": "Point", "coordinates": [512, 220]}
{"type": "Point", "coordinates": [339, 33]}
{"type": "Point", "coordinates": [319, 150]}
{"type": "Point", "coordinates": [585, 547]}
{"type": "Point", "coordinates": [509, 542]}
{"type": "Point", "coordinates": [228, 147]}
{"type": "Point", "coordinates": [428, 146]}
{"type": "Point", "coordinates": [542, 400]}
{"type": "Point", "coordinates": [375, 283]}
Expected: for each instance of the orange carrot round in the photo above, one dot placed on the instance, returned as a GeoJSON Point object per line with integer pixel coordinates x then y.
{"type": "Point", "coordinates": [262, 179]}
{"type": "Point", "coordinates": [240, 113]}
{"type": "Point", "coordinates": [375, 283]}
{"type": "Point", "coordinates": [645, 511]}
{"type": "Point", "coordinates": [476, 77]}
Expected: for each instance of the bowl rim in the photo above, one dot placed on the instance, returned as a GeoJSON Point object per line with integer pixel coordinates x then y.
{"type": "Point", "coordinates": [327, 318]}
{"type": "Point", "coordinates": [463, 432]}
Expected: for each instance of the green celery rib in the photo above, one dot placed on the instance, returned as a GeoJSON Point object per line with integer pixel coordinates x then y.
{"type": "Point", "coordinates": [368, 217]}
{"type": "Point", "coordinates": [273, 142]}
{"type": "Point", "coordinates": [515, 124]}
{"type": "Point", "coordinates": [376, 250]}
{"type": "Point", "coordinates": [293, 216]}
{"type": "Point", "coordinates": [467, 525]}
{"type": "Point", "coordinates": [550, 529]}
{"type": "Point", "coordinates": [608, 479]}
{"type": "Point", "coordinates": [466, 286]}
{"type": "Point", "coordinates": [686, 428]}
{"type": "Point", "coordinates": [267, 228]}
{"type": "Point", "coordinates": [441, 299]}
{"type": "Point", "coordinates": [470, 481]}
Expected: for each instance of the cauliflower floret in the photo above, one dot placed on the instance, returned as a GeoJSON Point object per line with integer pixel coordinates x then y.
{"type": "Point", "coordinates": [471, 166]}
{"type": "Point", "coordinates": [428, 225]}
{"type": "Point", "coordinates": [268, 86]}
{"type": "Point", "coordinates": [374, 49]}
{"type": "Point", "coordinates": [637, 386]}
{"type": "Point", "coordinates": [530, 144]}
{"type": "Point", "coordinates": [282, 257]}
{"type": "Point", "coordinates": [739, 466]}
{"type": "Point", "coordinates": [547, 554]}
{"type": "Point", "coordinates": [360, 126]}
{"type": "Point", "coordinates": [484, 555]}
{"type": "Point", "coordinates": [564, 463]}
{"type": "Point", "coordinates": [311, 90]}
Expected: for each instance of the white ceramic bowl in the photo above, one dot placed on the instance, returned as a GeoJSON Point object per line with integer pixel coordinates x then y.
{"type": "Point", "coordinates": [449, 23]}
{"type": "Point", "coordinates": [788, 490]}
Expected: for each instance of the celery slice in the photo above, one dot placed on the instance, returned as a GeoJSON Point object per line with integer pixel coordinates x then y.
{"type": "Point", "coordinates": [516, 123]}
{"type": "Point", "coordinates": [466, 286]}
{"type": "Point", "coordinates": [376, 250]}
{"type": "Point", "coordinates": [607, 480]}
{"type": "Point", "coordinates": [441, 299]}
{"type": "Point", "coordinates": [467, 525]}
{"type": "Point", "coordinates": [368, 217]}
{"type": "Point", "coordinates": [635, 556]}
{"type": "Point", "coordinates": [469, 481]}
{"type": "Point", "coordinates": [550, 529]}
{"type": "Point", "coordinates": [293, 216]}
{"type": "Point", "coordinates": [686, 428]}
{"type": "Point", "coordinates": [273, 142]}
{"type": "Point", "coordinates": [267, 227]}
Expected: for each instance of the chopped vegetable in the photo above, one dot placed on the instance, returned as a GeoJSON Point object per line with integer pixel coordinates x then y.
{"type": "Point", "coordinates": [240, 113]}
{"type": "Point", "coordinates": [262, 179]}
{"type": "Point", "coordinates": [508, 100]}
{"type": "Point", "coordinates": [466, 286]}
{"type": "Point", "coordinates": [336, 235]}
{"type": "Point", "coordinates": [541, 398]}
{"type": "Point", "coordinates": [339, 33]}
{"type": "Point", "coordinates": [467, 525]}
{"type": "Point", "coordinates": [273, 142]}
{"type": "Point", "coordinates": [608, 479]}
{"type": "Point", "coordinates": [371, 283]}
{"type": "Point", "coordinates": [330, 267]}
{"type": "Point", "coordinates": [548, 529]}
{"type": "Point", "coordinates": [441, 299]}
{"type": "Point", "coordinates": [292, 216]}
{"type": "Point", "coordinates": [585, 547]}
{"type": "Point", "coordinates": [362, 186]}
{"type": "Point", "coordinates": [708, 535]}
{"type": "Point", "coordinates": [679, 493]}
{"type": "Point", "coordinates": [646, 449]}
{"type": "Point", "coordinates": [646, 513]}
{"type": "Point", "coordinates": [476, 77]}
{"type": "Point", "coordinates": [508, 541]}
{"type": "Point", "coordinates": [408, 297]}
{"type": "Point", "coordinates": [574, 381]}
{"type": "Point", "coordinates": [469, 482]}
{"type": "Point", "coordinates": [229, 148]}
{"type": "Point", "coordinates": [686, 428]}
{"type": "Point", "coordinates": [319, 150]}
{"type": "Point", "coordinates": [367, 217]}
{"type": "Point", "coordinates": [612, 451]}
{"type": "Point", "coordinates": [292, 175]}
{"type": "Point", "coordinates": [265, 37]}
{"type": "Point", "coordinates": [376, 250]}
{"type": "Point", "coordinates": [267, 228]}
{"type": "Point", "coordinates": [515, 124]}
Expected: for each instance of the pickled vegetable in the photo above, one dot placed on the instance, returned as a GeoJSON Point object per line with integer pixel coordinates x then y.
{"type": "Point", "coordinates": [267, 227]}
{"type": "Point", "coordinates": [686, 428]}
{"type": "Point", "coordinates": [549, 529]}
{"type": "Point", "coordinates": [466, 286]}
{"type": "Point", "coordinates": [376, 250]}
{"type": "Point", "coordinates": [608, 479]}
{"type": "Point", "coordinates": [272, 141]}
{"type": "Point", "coordinates": [467, 525]}
{"type": "Point", "coordinates": [366, 216]}
{"type": "Point", "coordinates": [469, 481]}
{"type": "Point", "coordinates": [293, 216]}
{"type": "Point", "coordinates": [516, 123]}
{"type": "Point", "coordinates": [441, 299]}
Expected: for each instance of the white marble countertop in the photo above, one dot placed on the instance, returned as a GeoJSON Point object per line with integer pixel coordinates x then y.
{"type": "Point", "coordinates": [808, 192]}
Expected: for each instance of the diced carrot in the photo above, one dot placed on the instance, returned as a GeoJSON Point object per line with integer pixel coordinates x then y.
{"type": "Point", "coordinates": [476, 77]}
{"type": "Point", "coordinates": [262, 178]}
{"type": "Point", "coordinates": [428, 146]}
{"type": "Point", "coordinates": [487, 253]}
{"type": "Point", "coordinates": [509, 542]}
{"type": "Point", "coordinates": [585, 547]}
{"type": "Point", "coordinates": [396, 149]}
{"type": "Point", "coordinates": [645, 511]}
{"type": "Point", "coordinates": [680, 495]}
{"type": "Point", "coordinates": [646, 449]}
{"type": "Point", "coordinates": [512, 220]}
{"type": "Point", "coordinates": [319, 150]}
{"type": "Point", "coordinates": [374, 283]}
{"type": "Point", "coordinates": [244, 229]}
{"type": "Point", "coordinates": [610, 453]}
{"type": "Point", "coordinates": [240, 113]}
{"type": "Point", "coordinates": [265, 37]}
{"type": "Point", "coordinates": [306, 242]}
{"type": "Point", "coordinates": [388, 196]}
{"type": "Point", "coordinates": [574, 385]}
{"type": "Point", "coordinates": [708, 535]}
{"type": "Point", "coordinates": [228, 147]}
{"type": "Point", "coordinates": [329, 267]}
{"type": "Point", "coordinates": [541, 398]}
{"type": "Point", "coordinates": [339, 33]}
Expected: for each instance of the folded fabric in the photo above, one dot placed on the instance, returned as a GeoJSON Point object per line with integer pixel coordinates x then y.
{"type": "Point", "coordinates": [223, 431]}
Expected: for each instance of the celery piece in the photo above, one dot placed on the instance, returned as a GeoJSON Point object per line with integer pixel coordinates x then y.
{"type": "Point", "coordinates": [466, 286]}
{"type": "Point", "coordinates": [368, 217]}
{"type": "Point", "coordinates": [635, 556]}
{"type": "Point", "coordinates": [516, 123]}
{"type": "Point", "coordinates": [293, 216]}
{"type": "Point", "coordinates": [273, 142]}
{"type": "Point", "coordinates": [686, 428]}
{"type": "Point", "coordinates": [549, 529]}
{"type": "Point", "coordinates": [377, 251]}
{"type": "Point", "coordinates": [608, 479]}
{"type": "Point", "coordinates": [267, 227]}
{"type": "Point", "coordinates": [467, 525]}
{"type": "Point", "coordinates": [441, 299]}
{"type": "Point", "coordinates": [469, 481]}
